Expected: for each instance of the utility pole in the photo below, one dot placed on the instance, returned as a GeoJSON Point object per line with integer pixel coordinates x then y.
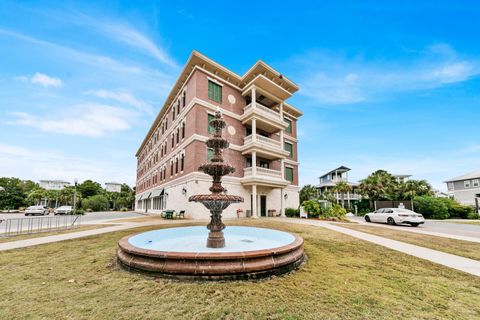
{"type": "Point", "coordinates": [75, 196]}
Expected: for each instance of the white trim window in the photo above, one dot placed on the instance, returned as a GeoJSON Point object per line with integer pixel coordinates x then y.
{"type": "Point", "coordinates": [466, 184]}
{"type": "Point", "coordinates": [475, 183]}
{"type": "Point", "coordinates": [450, 185]}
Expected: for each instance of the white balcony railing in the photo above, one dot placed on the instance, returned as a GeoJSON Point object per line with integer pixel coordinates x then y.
{"type": "Point", "coordinates": [263, 172]}
{"type": "Point", "coordinates": [263, 140]}
{"type": "Point", "coordinates": [266, 112]}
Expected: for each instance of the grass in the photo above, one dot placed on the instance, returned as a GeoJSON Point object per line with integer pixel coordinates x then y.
{"type": "Point", "coordinates": [461, 248]}
{"type": "Point", "coordinates": [52, 233]}
{"type": "Point", "coordinates": [344, 278]}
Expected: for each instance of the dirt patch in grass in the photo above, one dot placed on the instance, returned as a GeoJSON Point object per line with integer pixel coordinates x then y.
{"type": "Point", "coordinates": [52, 233]}
{"type": "Point", "coordinates": [461, 248]}
{"type": "Point", "coordinates": [344, 278]}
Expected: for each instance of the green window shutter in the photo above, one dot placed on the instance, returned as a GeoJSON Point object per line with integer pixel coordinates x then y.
{"type": "Point", "coordinates": [214, 91]}
{"type": "Point", "coordinates": [289, 128]}
{"type": "Point", "coordinates": [210, 154]}
{"type": "Point", "coordinates": [288, 174]}
{"type": "Point", "coordinates": [210, 128]}
{"type": "Point", "coordinates": [288, 147]}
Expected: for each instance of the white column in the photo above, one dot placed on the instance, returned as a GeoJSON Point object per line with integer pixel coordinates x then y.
{"type": "Point", "coordinates": [254, 201]}
{"type": "Point", "coordinates": [281, 110]}
{"type": "Point", "coordinates": [282, 168]}
{"type": "Point", "coordinates": [254, 97]}
{"type": "Point", "coordinates": [254, 129]}
{"type": "Point", "coordinates": [254, 163]}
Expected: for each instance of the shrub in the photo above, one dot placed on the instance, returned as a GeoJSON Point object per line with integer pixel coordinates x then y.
{"type": "Point", "coordinates": [335, 211]}
{"type": "Point", "coordinates": [96, 203]}
{"type": "Point", "coordinates": [473, 215]}
{"type": "Point", "coordinates": [311, 207]}
{"type": "Point", "coordinates": [363, 207]}
{"type": "Point", "coordinates": [79, 211]}
{"type": "Point", "coordinates": [292, 212]}
{"type": "Point", "coordinates": [430, 207]}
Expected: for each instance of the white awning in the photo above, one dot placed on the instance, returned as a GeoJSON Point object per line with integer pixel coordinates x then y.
{"type": "Point", "coordinates": [157, 192]}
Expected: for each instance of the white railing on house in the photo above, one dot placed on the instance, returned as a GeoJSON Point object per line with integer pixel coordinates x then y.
{"type": "Point", "coordinates": [263, 140]}
{"type": "Point", "coordinates": [263, 172]}
{"type": "Point", "coordinates": [267, 112]}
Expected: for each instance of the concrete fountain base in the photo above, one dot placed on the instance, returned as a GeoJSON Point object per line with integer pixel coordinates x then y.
{"type": "Point", "coordinates": [250, 253]}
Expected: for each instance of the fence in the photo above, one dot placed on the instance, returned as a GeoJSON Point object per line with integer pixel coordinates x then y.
{"type": "Point", "coordinates": [18, 226]}
{"type": "Point", "coordinates": [407, 204]}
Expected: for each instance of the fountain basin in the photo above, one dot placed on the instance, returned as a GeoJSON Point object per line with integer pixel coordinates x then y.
{"type": "Point", "coordinates": [181, 252]}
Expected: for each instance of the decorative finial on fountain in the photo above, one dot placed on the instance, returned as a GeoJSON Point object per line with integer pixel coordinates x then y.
{"type": "Point", "coordinates": [217, 201]}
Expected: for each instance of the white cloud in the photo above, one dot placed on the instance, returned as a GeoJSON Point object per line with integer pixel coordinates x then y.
{"type": "Point", "coordinates": [122, 97]}
{"type": "Point", "coordinates": [41, 79]}
{"type": "Point", "coordinates": [331, 79]}
{"type": "Point", "coordinates": [134, 38]}
{"type": "Point", "coordinates": [40, 163]}
{"type": "Point", "coordinates": [46, 81]}
{"type": "Point", "coordinates": [93, 120]}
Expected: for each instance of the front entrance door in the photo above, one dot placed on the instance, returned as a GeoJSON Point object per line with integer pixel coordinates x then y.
{"type": "Point", "coordinates": [263, 206]}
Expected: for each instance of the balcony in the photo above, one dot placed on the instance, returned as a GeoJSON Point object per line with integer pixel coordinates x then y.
{"type": "Point", "coordinates": [265, 147]}
{"type": "Point", "coordinates": [267, 119]}
{"type": "Point", "coordinates": [264, 176]}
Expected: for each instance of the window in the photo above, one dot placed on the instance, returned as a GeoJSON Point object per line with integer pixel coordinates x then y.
{"type": "Point", "coordinates": [210, 154]}
{"type": "Point", "coordinates": [248, 162]}
{"type": "Point", "coordinates": [288, 174]}
{"type": "Point", "coordinates": [248, 131]}
{"type": "Point", "coordinates": [214, 91]}
{"type": "Point", "coordinates": [466, 183]}
{"type": "Point", "coordinates": [178, 134]}
{"type": "Point", "coordinates": [289, 128]}
{"type": "Point", "coordinates": [178, 107]}
{"type": "Point", "coordinates": [210, 128]}
{"type": "Point", "coordinates": [176, 165]}
{"type": "Point", "coordinates": [450, 186]}
{"type": "Point", "coordinates": [173, 113]}
{"type": "Point", "coordinates": [171, 168]}
{"type": "Point", "coordinates": [288, 147]}
{"type": "Point", "coordinates": [182, 163]}
{"type": "Point", "coordinates": [264, 164]}
{"type": "Point", "coordinates": [173, 139]}
{"type": "Point", "coordinates": [183, 130]}
{"type": "Point", "coordinates": [475, 183]}
{"type": "Point", "coordinates": [184, 98]}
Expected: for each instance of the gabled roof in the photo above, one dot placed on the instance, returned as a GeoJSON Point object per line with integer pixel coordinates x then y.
{"type": "Point", "coordinates": [339, 169]}
{"type": "Point", "coordinates": [470, 175]}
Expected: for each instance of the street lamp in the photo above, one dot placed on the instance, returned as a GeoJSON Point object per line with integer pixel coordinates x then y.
{"type": "Point", "coordinates": [75, 195]}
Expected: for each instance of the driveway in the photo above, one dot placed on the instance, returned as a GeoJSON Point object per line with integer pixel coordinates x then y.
{"type": "Point", "coordinates": [434, 226]}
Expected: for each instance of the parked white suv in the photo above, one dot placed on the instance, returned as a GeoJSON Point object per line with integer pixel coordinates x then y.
{"type": "Point", "coordinates": [394, 216]}
{"type": "Point", "coordinates": [63, 210]}
{"type": "Point", "coordinates": [33, 210]}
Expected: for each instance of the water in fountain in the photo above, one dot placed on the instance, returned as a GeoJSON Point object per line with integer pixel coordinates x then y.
{"type": "Point", "coordinates": [217, 201]}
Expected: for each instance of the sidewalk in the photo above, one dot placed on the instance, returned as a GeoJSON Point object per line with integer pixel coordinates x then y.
{"type": "Point", "coordinates": [449, 260]}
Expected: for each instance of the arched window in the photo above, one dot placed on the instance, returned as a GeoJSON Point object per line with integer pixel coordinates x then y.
{"type": "Point", "coordinates": [182, 164]}
{"type": "Point", "coordinates": [183, 130]}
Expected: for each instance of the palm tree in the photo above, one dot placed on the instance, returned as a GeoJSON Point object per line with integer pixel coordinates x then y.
{"type": "Point", "coordinates": [342, 188]}
{"type": "Point", "coordinates": [377, 186]}
{"type": "Point", "coordinates": [308, 192]}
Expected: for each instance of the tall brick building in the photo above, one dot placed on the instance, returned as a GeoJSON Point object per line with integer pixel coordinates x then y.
{"type": "Point", "coordinates": [261, 129]}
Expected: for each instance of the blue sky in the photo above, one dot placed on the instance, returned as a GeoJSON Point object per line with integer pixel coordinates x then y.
{"type": "Point", "coordinates": [391, 85]}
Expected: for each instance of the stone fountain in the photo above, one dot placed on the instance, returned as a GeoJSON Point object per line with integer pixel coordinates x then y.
{"type": "Point", "coordinates": [248, 252]}
{"type": "Point", "coordinates": [217, 201]}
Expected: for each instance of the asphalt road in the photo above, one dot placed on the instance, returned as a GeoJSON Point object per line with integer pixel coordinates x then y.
{"type": "Point", "coordinates": [460, 229]}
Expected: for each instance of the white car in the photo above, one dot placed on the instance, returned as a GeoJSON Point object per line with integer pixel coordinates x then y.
{"type": "Point", "coordinates": [394, 216]}
{"type": "Point", "coordinates": [64, 210]}
{"type": "Point", "coordinates": [33, 210]}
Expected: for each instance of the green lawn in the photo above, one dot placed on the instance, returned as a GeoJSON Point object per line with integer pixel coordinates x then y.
{"type": "Point", "coordinates": [52, 233]}
{"type": "Point", "coordinates": [344, 278]}
{"type": "Point", "coordinates": [462, 248]}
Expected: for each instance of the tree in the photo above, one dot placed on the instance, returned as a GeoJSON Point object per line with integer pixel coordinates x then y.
{"type": "Point", "coordinates": [341, 188]}
{"type": "Point", "coordinates": [35, 196]}
{"type": "Point", "coordinates": [312, 207]}
{"type": "Point", "coordinates": [308, 192]}
{"type": "Point", "coordinates": [96, 203]}
{"type": "Point", "coordinates": [89, 188]}
{"type": "Point", "coordinates": [377, 186]}
{"type": "Point", "coordinates": [13, 196]}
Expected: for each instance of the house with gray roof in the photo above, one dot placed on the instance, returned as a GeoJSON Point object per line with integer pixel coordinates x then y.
{"type": "Point", "coordinates": [330, 179]}
{"type": "Point", "coordinates": [465, 188]}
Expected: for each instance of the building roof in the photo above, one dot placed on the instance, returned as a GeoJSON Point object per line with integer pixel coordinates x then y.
{"type": "Point", "coordinates": [470, 175]}
{"type": "Point", "coordinates": [115, 183]}
{"type": "Point", "coordinates": [340, 169]}
{"type": "Point", "coordinates": [402, 175]}
{"type": "Point", "coordinates": [55, 181]}
{"type": "Point", "coordinates": [197, 59]}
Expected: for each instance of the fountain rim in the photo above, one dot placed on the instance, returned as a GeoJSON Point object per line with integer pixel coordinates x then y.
{"type": "Point", "coordinates": [126, 246]}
